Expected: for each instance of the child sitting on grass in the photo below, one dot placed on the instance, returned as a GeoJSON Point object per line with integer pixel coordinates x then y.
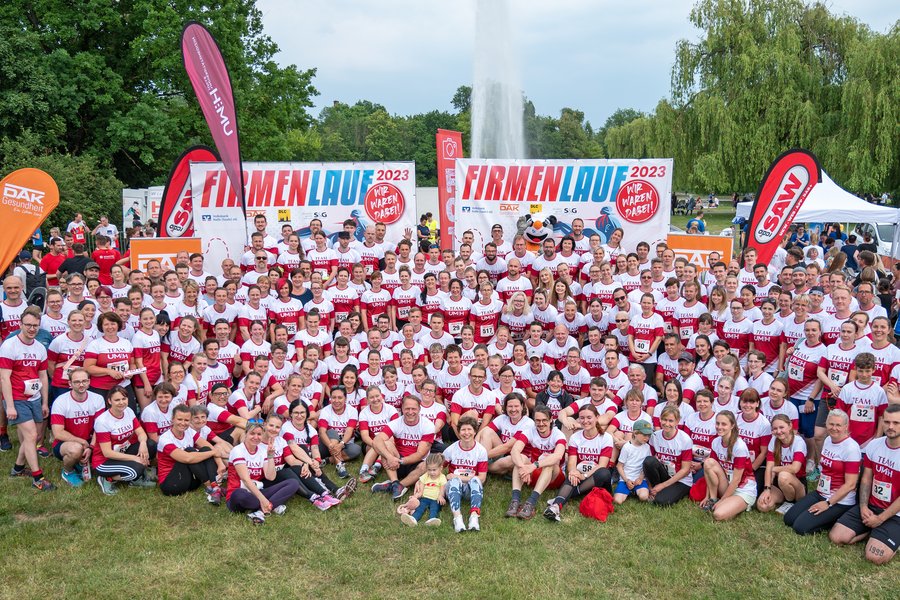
{"type": "Point", "coordinates": [428, 495]}
{"type": "Point", "coordinates": [631, 464]}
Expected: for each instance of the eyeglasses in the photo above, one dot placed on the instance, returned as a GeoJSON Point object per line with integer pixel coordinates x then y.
{"type": "Point", "coordinates": [617, 298]}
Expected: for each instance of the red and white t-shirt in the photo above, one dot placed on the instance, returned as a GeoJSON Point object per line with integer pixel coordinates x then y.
{"type": "Point", "coordinates": [506, 429]}
{"type": "Point", "coordinates": [885, 464]}
{"type": "Point", "coordinates": [408, 436]}
{"type": "Point", "coordinates": [795, 453]}
{"type": "Point", "coordinates": [168, 443]}
{"type": "Point", "coordinates": [404, 300]}
{"type": "Point", "coordinates": [537, 446]}
{"type": "Point", "coordinates": [109, 355]}
{"type": "Point", "coordinates": [466, 462]}
{"type": "Point", "coordinates": [645, 330]}
{"type": "Point", "coordinates": [339, 422]}
{"type": "Point", "coordinates": [26, 361]}
{"type": "Point", "coordinates": [119, 432]}
{"type": "Point", "coordinates": [702, 433]}
{"type": "Point", "coordinates": [865, 404]}
{"type": "Point", "coordinates": [148, 347]}
{"type": "Point", "coordinates": [375, 304]}
{"type": "Point", "coordinates": [838, 363]}
{"type": "Point", "coordinates": [218, 418]}
{"type": "Point", "coordinates": [756, 433]}
{"type": "Point", "coordinates": [484, 318]}
{"type": "Point", "coordinates": [625, 423]}
{"type": "Point", "coordinates": [803, 368]}
{"type": "Point", "coordinates": [885, 358]}
{"type": "Point", "coordinates": [673, 452]}
{"type": "Point", "coordinates": [154, 420]}
{"type": "Point", "coordinates": [590, 449]}
{"type": "Point", "coordinates": [686, 320]}
{"type": "Point", "coordinates": [837, 461]}
{"type": "Point", "coordinates": [77, 418]}
{"type": "Point", "coordinates": [767, 339]}
{"type": "Point", "coordinates": [253, 461]}
{"type": "Point", "coordinates": [787, 409]}
{"type": "Point", "coordinates": [738, 334]}
{"type": "Point", "coordinates": [61, 349]}
{"type": "Point", "coordinates": [286, 313]}
{"type": "Point", "coordinates": [374, 422]}
{"type": "Point", "coordinates": [11, 317]}
{"type": "Point", "coordinates": [464, 400]}
{"type": "Point", "coordinates": [740, 459]}
{"type": "Point", "coordinates": [180, 350]}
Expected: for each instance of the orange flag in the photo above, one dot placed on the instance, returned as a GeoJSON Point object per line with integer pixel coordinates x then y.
{"type": "Point", "coordinates": [27, 197]}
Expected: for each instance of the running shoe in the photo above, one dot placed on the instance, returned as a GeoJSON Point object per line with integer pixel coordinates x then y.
{"type": "Point", "coordinates": [14, 472]}
{"type": "Point", "coordinates": [106, 486]}
{"type": "Point", "coordinates": [384, 486]}
{"type": "Point", "coordinates": [709, 504]}
{"type": "Point", "coordinates": [376, 469]}
{"type": "Point", "coordinates": [458, 525]}
{"type": "Point", "coordinates": [341, 470]}
{"type": "Point", "coordinates": [43, 485]}
{"type": "Point", "coordinates": [141, 482]}
{"type": "Point", "coordinates": [5, 444]}
{"type": "Point", "coordinates": [43, 452]}
{"type": "Point", "coordinates": [365, 475]}
{"type": "Point", "coordinates": [434, 522]}
{"type": "Point", "coordinates": [408, 520]}
{"type": "Point", "coordinates": [474, 524]}
{"type": "Point", "coordinates": [398, 490]}
{"type": "Point", "coordinates": [280, 509]}
{"type": "Point", "coordinates": [347, 490]}
{"type": "Point", "coordinates": [785, 506]}
{"type": "Point", "coordinates": [72, 478]}
{"type": "Point", "coordinates": [321, 503]}
{"type": "Point", "coordinates": [513, 509]}
{"type": "Point", "coordinates": [257, 517]}
{"type": "Point", "coordinates": [214, 495]}
{"type": "Point", "coordinates": [331, 500]}
{"type": "Point", "coordinates": [552, 513]}
{"type": "Point", "coordinates": [526, 511]}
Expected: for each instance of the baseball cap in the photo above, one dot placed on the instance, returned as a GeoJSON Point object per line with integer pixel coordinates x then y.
{"type": "Point", "coordinates": [643, 427]}
{"type": "Point", "coordinates": [799, 269]}
{"type": "Point", "coordinates": [91, 265]}
{"type": "Point", "coordinates": [686, 356]}
{"type": "Point", "coordinates": [534, 353]}
{"type": "Point", "coordinates": [24, 255]}
{"type": "Point", "coordinates": [817, 289]}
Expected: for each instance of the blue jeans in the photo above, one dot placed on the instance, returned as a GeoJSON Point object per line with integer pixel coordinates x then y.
{"type": "Point", "coordinates": [431, 506]}
{"type": "Point", "coordinates": [457, 490]}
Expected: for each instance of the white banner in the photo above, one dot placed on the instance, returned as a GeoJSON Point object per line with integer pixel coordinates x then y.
{"type": "Point", "coordinates": [296, 193]}
{"type": "Point", "coordinates": [634, 194]}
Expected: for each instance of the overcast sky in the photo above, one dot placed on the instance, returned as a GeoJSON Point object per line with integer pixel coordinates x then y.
{"type": "Point", "coordinates": [411, 55]}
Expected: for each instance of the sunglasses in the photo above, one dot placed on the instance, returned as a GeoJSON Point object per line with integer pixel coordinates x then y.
{"type": "Point", "coordinates": [617, 298]}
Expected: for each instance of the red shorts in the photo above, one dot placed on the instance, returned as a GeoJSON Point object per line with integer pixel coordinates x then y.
{"type": "Point", "coordinates": [555, 484]}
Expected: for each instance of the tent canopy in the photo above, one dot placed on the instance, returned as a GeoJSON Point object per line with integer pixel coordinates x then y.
{"type": "Point", "coordinates": [829, 203]}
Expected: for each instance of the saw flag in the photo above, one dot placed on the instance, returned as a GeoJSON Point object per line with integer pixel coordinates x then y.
{"type": "Point", "coordinates": [176, 212]}
{"type": "Point", "coordinates": [29, 196]}
{"type": "Point", "coordinates": [209, 77]}
{"type": "Point", "coordinates": [783, 191]}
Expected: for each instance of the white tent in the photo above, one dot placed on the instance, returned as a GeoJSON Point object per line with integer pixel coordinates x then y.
{"type": "Point", "coordinates": [829, 203]}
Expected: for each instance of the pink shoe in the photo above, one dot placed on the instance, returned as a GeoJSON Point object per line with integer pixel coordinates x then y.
{"type": "Point", "coordinates": [332, 501]}
{"type": "Point", "coordinates": [321, 503]}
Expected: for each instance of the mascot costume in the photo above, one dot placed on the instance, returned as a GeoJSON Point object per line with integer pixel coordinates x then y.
{"type": "Point", "coordinates": [536, 228]}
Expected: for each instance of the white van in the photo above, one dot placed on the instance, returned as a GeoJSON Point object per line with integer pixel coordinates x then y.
{"type": "Point", "coordinates": [882, 234]}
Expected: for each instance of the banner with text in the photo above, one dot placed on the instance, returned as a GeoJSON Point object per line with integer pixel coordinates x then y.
{"type": "Point", "coordinates": [697, 248]}
{"type": "Point", "coordinates": [296, 193]}
{"type": "Point", "coordinates": [27, 197]}
{"type": "Point", "coordinates": [165, 250]}
{"type": "Point", "coordinates": [541, 198]}
{"type": "Point", "coordinates": [449, 148]}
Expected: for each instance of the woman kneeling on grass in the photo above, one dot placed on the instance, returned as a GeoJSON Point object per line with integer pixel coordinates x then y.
{"type": "Point", "coordinates": [836, 492]}
{"type": "Point", "coordinates": [785, 479]}
{"type": "Point", "coordinates": [730, 485]}
{"type": "Point", "coordinates": [250, 465]}
{"type": "Point", "coordinates": [186, 461]}
{"type": "Point", "coordinates": [588, 463]}
{"type": "Point", "coordinates": [122, 450]}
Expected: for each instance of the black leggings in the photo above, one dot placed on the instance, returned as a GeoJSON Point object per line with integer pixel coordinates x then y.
{"type": "Point", "coordinates": [804, 522]}
{"type": "Point", "coordinates": [655, 472]}
{"type": "Point", "coordinates": [309, 486]}
{"type": "Point", "coordinates": [185, 477]}
{"type": "Point", "coordinates": [127, 470]}
{"type": "Point", "coordinates": [601, 478]}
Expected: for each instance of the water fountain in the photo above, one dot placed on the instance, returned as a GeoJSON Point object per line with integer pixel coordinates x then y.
{"type": "Point", "coordinates": [497, 110]}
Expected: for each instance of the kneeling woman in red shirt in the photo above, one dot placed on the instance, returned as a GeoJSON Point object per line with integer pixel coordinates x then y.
{"type": "Point", "coordinates": [249, 465]}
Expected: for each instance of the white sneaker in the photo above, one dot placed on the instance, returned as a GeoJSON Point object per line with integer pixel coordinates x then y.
{"type": "Point", "coordinates": [435, 522]}
{"type": "Point", "coordinates": [408, 520]}
{"type": "Point", "coordinates": [473, 522]}
{"type": "Point", "coordinates": [258, 517]}
{"type": "Point", "coordinates": [786, 506]}
{"type": "Point", "coordinates": [280, 509]}
{"type": "Point", "coordinates": [458, 524]}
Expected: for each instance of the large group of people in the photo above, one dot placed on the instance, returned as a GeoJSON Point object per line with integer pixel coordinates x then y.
{"type": "Point", "coordinates": [737, 384]}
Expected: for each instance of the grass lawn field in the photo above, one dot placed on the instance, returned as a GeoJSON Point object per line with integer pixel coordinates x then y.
{"type": "Point", "coordinates": [139, 544]}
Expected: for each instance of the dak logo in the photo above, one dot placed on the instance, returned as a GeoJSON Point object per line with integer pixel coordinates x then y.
{"type": "Point", "coordinates": [509, 208]}
{"type": "Point", "coordinates": [17, 192]}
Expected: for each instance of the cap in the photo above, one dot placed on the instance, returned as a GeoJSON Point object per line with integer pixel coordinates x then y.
{"type": "Point", "coordinates": [686, 356]}
{"type": "Point", "coordinates": [534, 353]}
{"type": "Point", "coordinates": [817, 289]}
{"type": "Point", "coordinates": [643, 427]}
{"type": "Point", "coordinates": [91, 265]}
{"type": "Point", "coordinates": [799, 269]}
{"type": "Point", "coordinates": [24, 255]}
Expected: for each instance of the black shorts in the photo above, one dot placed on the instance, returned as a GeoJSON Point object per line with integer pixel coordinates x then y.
{"type": "Point", "coordinates": [226, 435]}
{"type": "Point", "coordinates": [888, 533]}
{"type": "Point", "coordinates": [404, 470]}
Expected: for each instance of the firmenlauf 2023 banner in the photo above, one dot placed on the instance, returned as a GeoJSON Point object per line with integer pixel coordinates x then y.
{"type": "Point", "coordinates": [634, 194]}
{"type": "Point", "coordinates": [296, 193]}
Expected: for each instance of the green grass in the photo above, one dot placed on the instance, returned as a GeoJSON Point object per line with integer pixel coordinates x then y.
{"type": "Point", "coordinates": [138, 544]}
{"type": "Point", "coordinates": [716, 218]}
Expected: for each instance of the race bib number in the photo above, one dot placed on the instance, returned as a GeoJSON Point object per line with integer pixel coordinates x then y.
{"type": "Point", "coordinates": [667, 327]}
{"type": "Point", "coordinates": [465, 472]}
{"type": "Point", "coordinates": [121, 366]}
{"type": "Point", "coordinates": [403, 312]}
{"type": "Point", "coordinates": [455, 327]}
{"type": "Point", "coordinates": [685, 332]}
{"type": "Point", "coordinates": [838, 377]}
{"type": "Point", "coordinates": [824, 487]}
{"type": "Point", "coordinates": [882, 491]}
{"type": "Point", "coordinates": [340, 316]}
{"type": "Point", "coordinates": [863, 413]}
{"type": "Point", "coordinates": [291, 328]}
{"type": "Point", "coordinates": [701, 453]}
{"type": "Point", "coordinates": [32, 387]}
{"type": "Point", "coordinates": [795, 372]}
{"type": "Point", "coordinates": [487, 331]}
{"type": "Point", "coordinates": [585, 467]}
{"type": "Point", "coordinates": [642, 346]}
